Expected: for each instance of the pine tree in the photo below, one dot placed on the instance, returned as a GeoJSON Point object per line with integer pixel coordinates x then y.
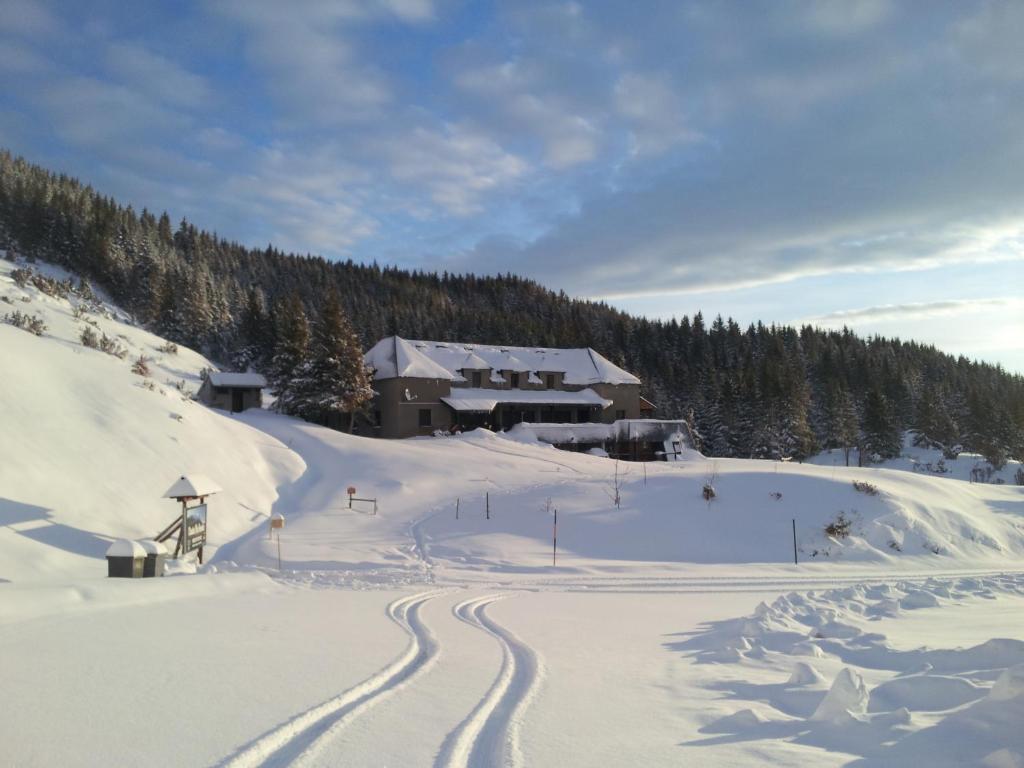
{"type": "Point", "coordinates": [333, 380]}
{"type": "Point", "coordinates": [842, 423]}
{"type": "Point", "coordinates": [881, 432]}
{"type": "Point", "coordinates": [290, 349]}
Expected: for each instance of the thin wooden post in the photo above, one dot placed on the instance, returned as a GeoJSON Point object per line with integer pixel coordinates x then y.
{"type": "Point", "coordinates": [795, 562]}
{"type": "Point", "coordinates": [554, 541]}
{"type": "Point", "coordinates": [487, 501]}
{"type": "Point", "coordinates": [279, 549]}
{"type": "Point", "coordinates": [456, 507]}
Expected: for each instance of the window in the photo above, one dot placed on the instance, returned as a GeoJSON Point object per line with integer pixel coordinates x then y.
{"type": "Point", "coordinates": [551, 380]}
{"type": "Point", "coordinates": [583, 415]}
{"type": "Point", "coordinates": [619, 415]}
{"type": "Point", "coordinates": [514, 380]}
{"type": "Point", "coordinates": [425, 420]}
{"type": "Point", "coordinates": [478, 379]}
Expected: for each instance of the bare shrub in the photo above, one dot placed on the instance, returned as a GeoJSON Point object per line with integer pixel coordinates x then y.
{"type": "Point", "coordinates": [863, 487]}
{"type": "Point", "coordinates": [840, 527]}
{"type": "Point", "coordinates": [32, 323]}
{"type": "Point", "coordinates": [111, 347]}
{"type": "Point", "coordinates": [141, 367]}
{"type": "Point", "coordinates": [21, 276]}
{"type": "Point", "coordinates": [168, 348]}
{"type": "Point", "coordinates": [89, 338]}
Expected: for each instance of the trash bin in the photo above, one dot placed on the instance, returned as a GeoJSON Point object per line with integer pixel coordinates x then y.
{"type": "Point", "coordinates": [125, 559]}
{"type": "Point", "coordinates": [156, 555]}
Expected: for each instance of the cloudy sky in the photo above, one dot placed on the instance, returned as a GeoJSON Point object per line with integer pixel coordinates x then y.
{"type": "Point", "coordinates": [834, 162]}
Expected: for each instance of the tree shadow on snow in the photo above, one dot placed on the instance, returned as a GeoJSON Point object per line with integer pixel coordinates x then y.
{"type": "Point", "coordinates": [65, 537]}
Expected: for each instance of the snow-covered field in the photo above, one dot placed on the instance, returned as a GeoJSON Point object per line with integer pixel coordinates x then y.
{"type": "Point", "coordinates": [671, 630]}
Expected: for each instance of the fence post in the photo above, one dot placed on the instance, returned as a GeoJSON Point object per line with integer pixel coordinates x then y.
{"type": "Point", "coordinates": [554, 541]}
{"type": "Point", "coordinates": [487, 501]}
{"type": "Point", "coordinates": [794, 543]}
{"type": "Point", "coordinates": [456, 507]}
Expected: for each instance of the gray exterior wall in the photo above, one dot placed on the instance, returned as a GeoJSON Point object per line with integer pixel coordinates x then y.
{"type": "Point", "coordinates": [222, 397]}
{"type": "Point", "coordinates": [624, 397]}
{"type": "Point", "coordinates": [400, 417]}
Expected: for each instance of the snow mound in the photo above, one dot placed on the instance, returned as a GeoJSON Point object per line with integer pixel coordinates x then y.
{"type": "Point", "coordinates": [804, 674]}
{"type": "Point", "coordinates": [846, 699]}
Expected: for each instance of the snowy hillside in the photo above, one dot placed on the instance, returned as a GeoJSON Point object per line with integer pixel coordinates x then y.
{"type": "Point", "coordinates": [971, 467]}
{"type": "Point", "coordinates": [88, 447]}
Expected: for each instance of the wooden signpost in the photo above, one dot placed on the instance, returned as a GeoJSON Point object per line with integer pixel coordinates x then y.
{"type": "Point", "coordinates": [276, 524]}
{"type": "Point", "coordinates": [190, 526]}
{"type": "Point", "coordinates": [351, 490]}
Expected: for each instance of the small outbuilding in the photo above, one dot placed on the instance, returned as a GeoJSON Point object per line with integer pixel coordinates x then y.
{"type": "Point", "coordinates": [233, 391]}
{"type": "Point", "coordinates": [126, 559]}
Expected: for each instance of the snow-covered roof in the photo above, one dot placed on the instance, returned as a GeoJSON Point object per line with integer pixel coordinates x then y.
{"type": "Point", "coordinates": [152, 547]}
{"type": "Point", "coordinates": [237, 380]}
{"type": "Point", "coordinates": [191, 486]}
{"type": "Point", "coordinates": [125, 548]}
{"type": "Point", "coordinates": [395, 357]}
{"type": "Point", "coordinates": [485, 400]}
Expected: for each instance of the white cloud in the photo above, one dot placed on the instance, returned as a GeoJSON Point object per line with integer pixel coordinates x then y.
{"type": "Point", "coordinates": [91, 112]}
{"type": "Point", "coordinates": [308, 53]}
{"type": "Point", "coordinates": [919, 310]}
{"type": "Point", "coordinates": [653, 111]}
{"type": "Point", "coordinates": [134, 64]}
{"type": "Point", "coordinates": [455, 165]}
{"type": "Point", "coordinates": [28, 18]}
{"type": "Point", "coordinates": [515, 92]}
{"type": "Point", "coordinates": [19, 59]}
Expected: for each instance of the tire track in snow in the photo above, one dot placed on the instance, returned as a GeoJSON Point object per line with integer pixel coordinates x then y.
{"type": "Point", "coordinates": [490, 736]}
{"type": "Point", "coordinates": [298, 739]}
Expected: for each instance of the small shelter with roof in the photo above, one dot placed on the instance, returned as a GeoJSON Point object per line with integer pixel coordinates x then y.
{"type": "Point", "coordinates": [232, 391]}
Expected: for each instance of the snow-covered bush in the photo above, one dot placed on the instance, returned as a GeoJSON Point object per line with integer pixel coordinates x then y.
{"type": "Point", "coordinates": [168, 348]}
{"type": "Point", "coordinates": [31, 323]}
{"type": "Point", "coordinates": [141, 367]}
{"type": "Point", "coordinates": [21, 276]}
{"type": "Point", "coordinates": [840, 527]}
{"type": "Point", "coordinates": [90, 338]}
{"type": "Point", "coordinates": [865, 487]}
{"type": "Point", "coordinates": [111, 347]}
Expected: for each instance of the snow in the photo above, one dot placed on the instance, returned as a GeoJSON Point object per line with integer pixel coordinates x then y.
{"type": "Point", "coordinates": [593, 432]}
{"type": "Point", "coordinates": [151, 547]}
{"type": "Point", "coordinates": [672, 630]}
{"type": "Point", "coordinates": [192, 486]}
{"type": "Point", "coordinates": [126, 548]}
{"type": "Point", "coordinates": [397, 357]}
{"type": "Point", "coordinates": [486, 400]}
{"type": "Point", "coordinates": [219, 379]}
{"type": "Point", "coordinates": [930, 461]}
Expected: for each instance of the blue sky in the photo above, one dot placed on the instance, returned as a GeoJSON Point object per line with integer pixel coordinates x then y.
{"type": "Point", "coordinates": [834, 162]}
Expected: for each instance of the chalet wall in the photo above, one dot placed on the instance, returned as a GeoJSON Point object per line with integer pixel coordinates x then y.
{"type": "Point", "coordinates": [624, 397]}
{"type": "Point", "coordinates": [400, 417]}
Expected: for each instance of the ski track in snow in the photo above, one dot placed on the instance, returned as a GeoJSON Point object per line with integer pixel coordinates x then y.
{"type": "Point", "coordinates": [489, 736]}
{"type": "Point", "coordinates": [299, 740]}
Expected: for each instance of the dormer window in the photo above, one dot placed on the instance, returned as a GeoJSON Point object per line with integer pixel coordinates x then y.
{"type": "Point", "coordinates": [478, 379]}
{"type": "Point", "coordinates": [514, 380]}
{"type": "Point", "coordinates": [551, 380]}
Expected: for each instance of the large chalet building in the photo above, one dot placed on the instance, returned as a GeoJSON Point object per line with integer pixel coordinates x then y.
{"type": "Point", "coordinates": [425, 386]}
